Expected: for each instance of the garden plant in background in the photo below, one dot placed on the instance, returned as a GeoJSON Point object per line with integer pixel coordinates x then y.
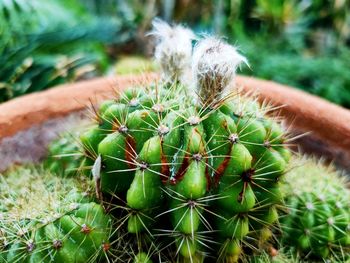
{"type": "Point", "coordinates": [47, 43]}
{"type": "Point", "coordinates": [308, 39]}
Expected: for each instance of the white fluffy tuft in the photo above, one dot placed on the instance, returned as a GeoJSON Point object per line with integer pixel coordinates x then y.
{"type": "Point", "coordinates": [214, 66]}
{"type": "Point", "coordinates": [173, 49]}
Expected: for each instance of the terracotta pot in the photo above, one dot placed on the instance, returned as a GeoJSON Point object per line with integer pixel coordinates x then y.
{"type": "Point", "coordinates": [28, 123]}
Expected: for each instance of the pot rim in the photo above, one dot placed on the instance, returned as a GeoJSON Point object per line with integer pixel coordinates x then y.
{"type": "Point", "coordinates": [328, 123]}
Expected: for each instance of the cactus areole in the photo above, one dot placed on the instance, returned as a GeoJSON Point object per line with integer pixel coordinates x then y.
{"type": "Point", "coordinates": [198, 163]}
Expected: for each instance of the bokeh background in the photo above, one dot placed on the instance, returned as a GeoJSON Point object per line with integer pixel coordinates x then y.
{"type": "Point", "coordinates": [302, 43]}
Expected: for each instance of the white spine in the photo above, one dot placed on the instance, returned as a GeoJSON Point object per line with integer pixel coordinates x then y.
{"type": "Point", "coordinates": [214, 66]}
{"type": "Point", "coordinates": [173, 50]}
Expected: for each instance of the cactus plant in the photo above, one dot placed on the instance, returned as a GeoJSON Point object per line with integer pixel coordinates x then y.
{"type": "Point", "coordinates": [64, 156]}
{"type": "Point", "coordinates": [318, 222]}
{"type": "Point", "coordinates": [47, 219]}
{"type": "Point", "coordinates": [190, 168]}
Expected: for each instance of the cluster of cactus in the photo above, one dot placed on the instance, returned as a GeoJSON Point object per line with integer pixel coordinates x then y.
{"type": "Point", "coordinates": [318, 222]}
{"type": "Point", "coordinates": [187, 169]}
{"type": "Point", "coordinates": [199, 168]}
{"type": "Point", "coordinates": [47, 219]}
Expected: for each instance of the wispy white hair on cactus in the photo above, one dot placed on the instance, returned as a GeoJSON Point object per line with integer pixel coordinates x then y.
{"type": "Point", "coordinates": [214, 66]}
{"type": "Point", "coordinates": [173, 49]}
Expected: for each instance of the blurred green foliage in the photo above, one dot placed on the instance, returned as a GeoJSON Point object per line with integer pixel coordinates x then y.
{"type": "Point", "coordinates": [302, 43]}
{"type": "Point", "coordinates": [134, 65]}
{"type": "Point", "coordinates": [326, 75]}
{"type": "Point", "coordinates": [298, 42]}
{"type": "Point", "coordinates": [45, 43]}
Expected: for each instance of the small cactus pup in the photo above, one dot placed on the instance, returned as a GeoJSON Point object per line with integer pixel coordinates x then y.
{"type": "Point", "coordinates": [67, 156]}
{"type": "Point", "coordinates": [64, 155]}
{"type": "Point", "coordinates": [191, 172]}
{"type": "Point", "coordinates": [318, 223]}
{"type": "Point", "coordinates": [49, 219]}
